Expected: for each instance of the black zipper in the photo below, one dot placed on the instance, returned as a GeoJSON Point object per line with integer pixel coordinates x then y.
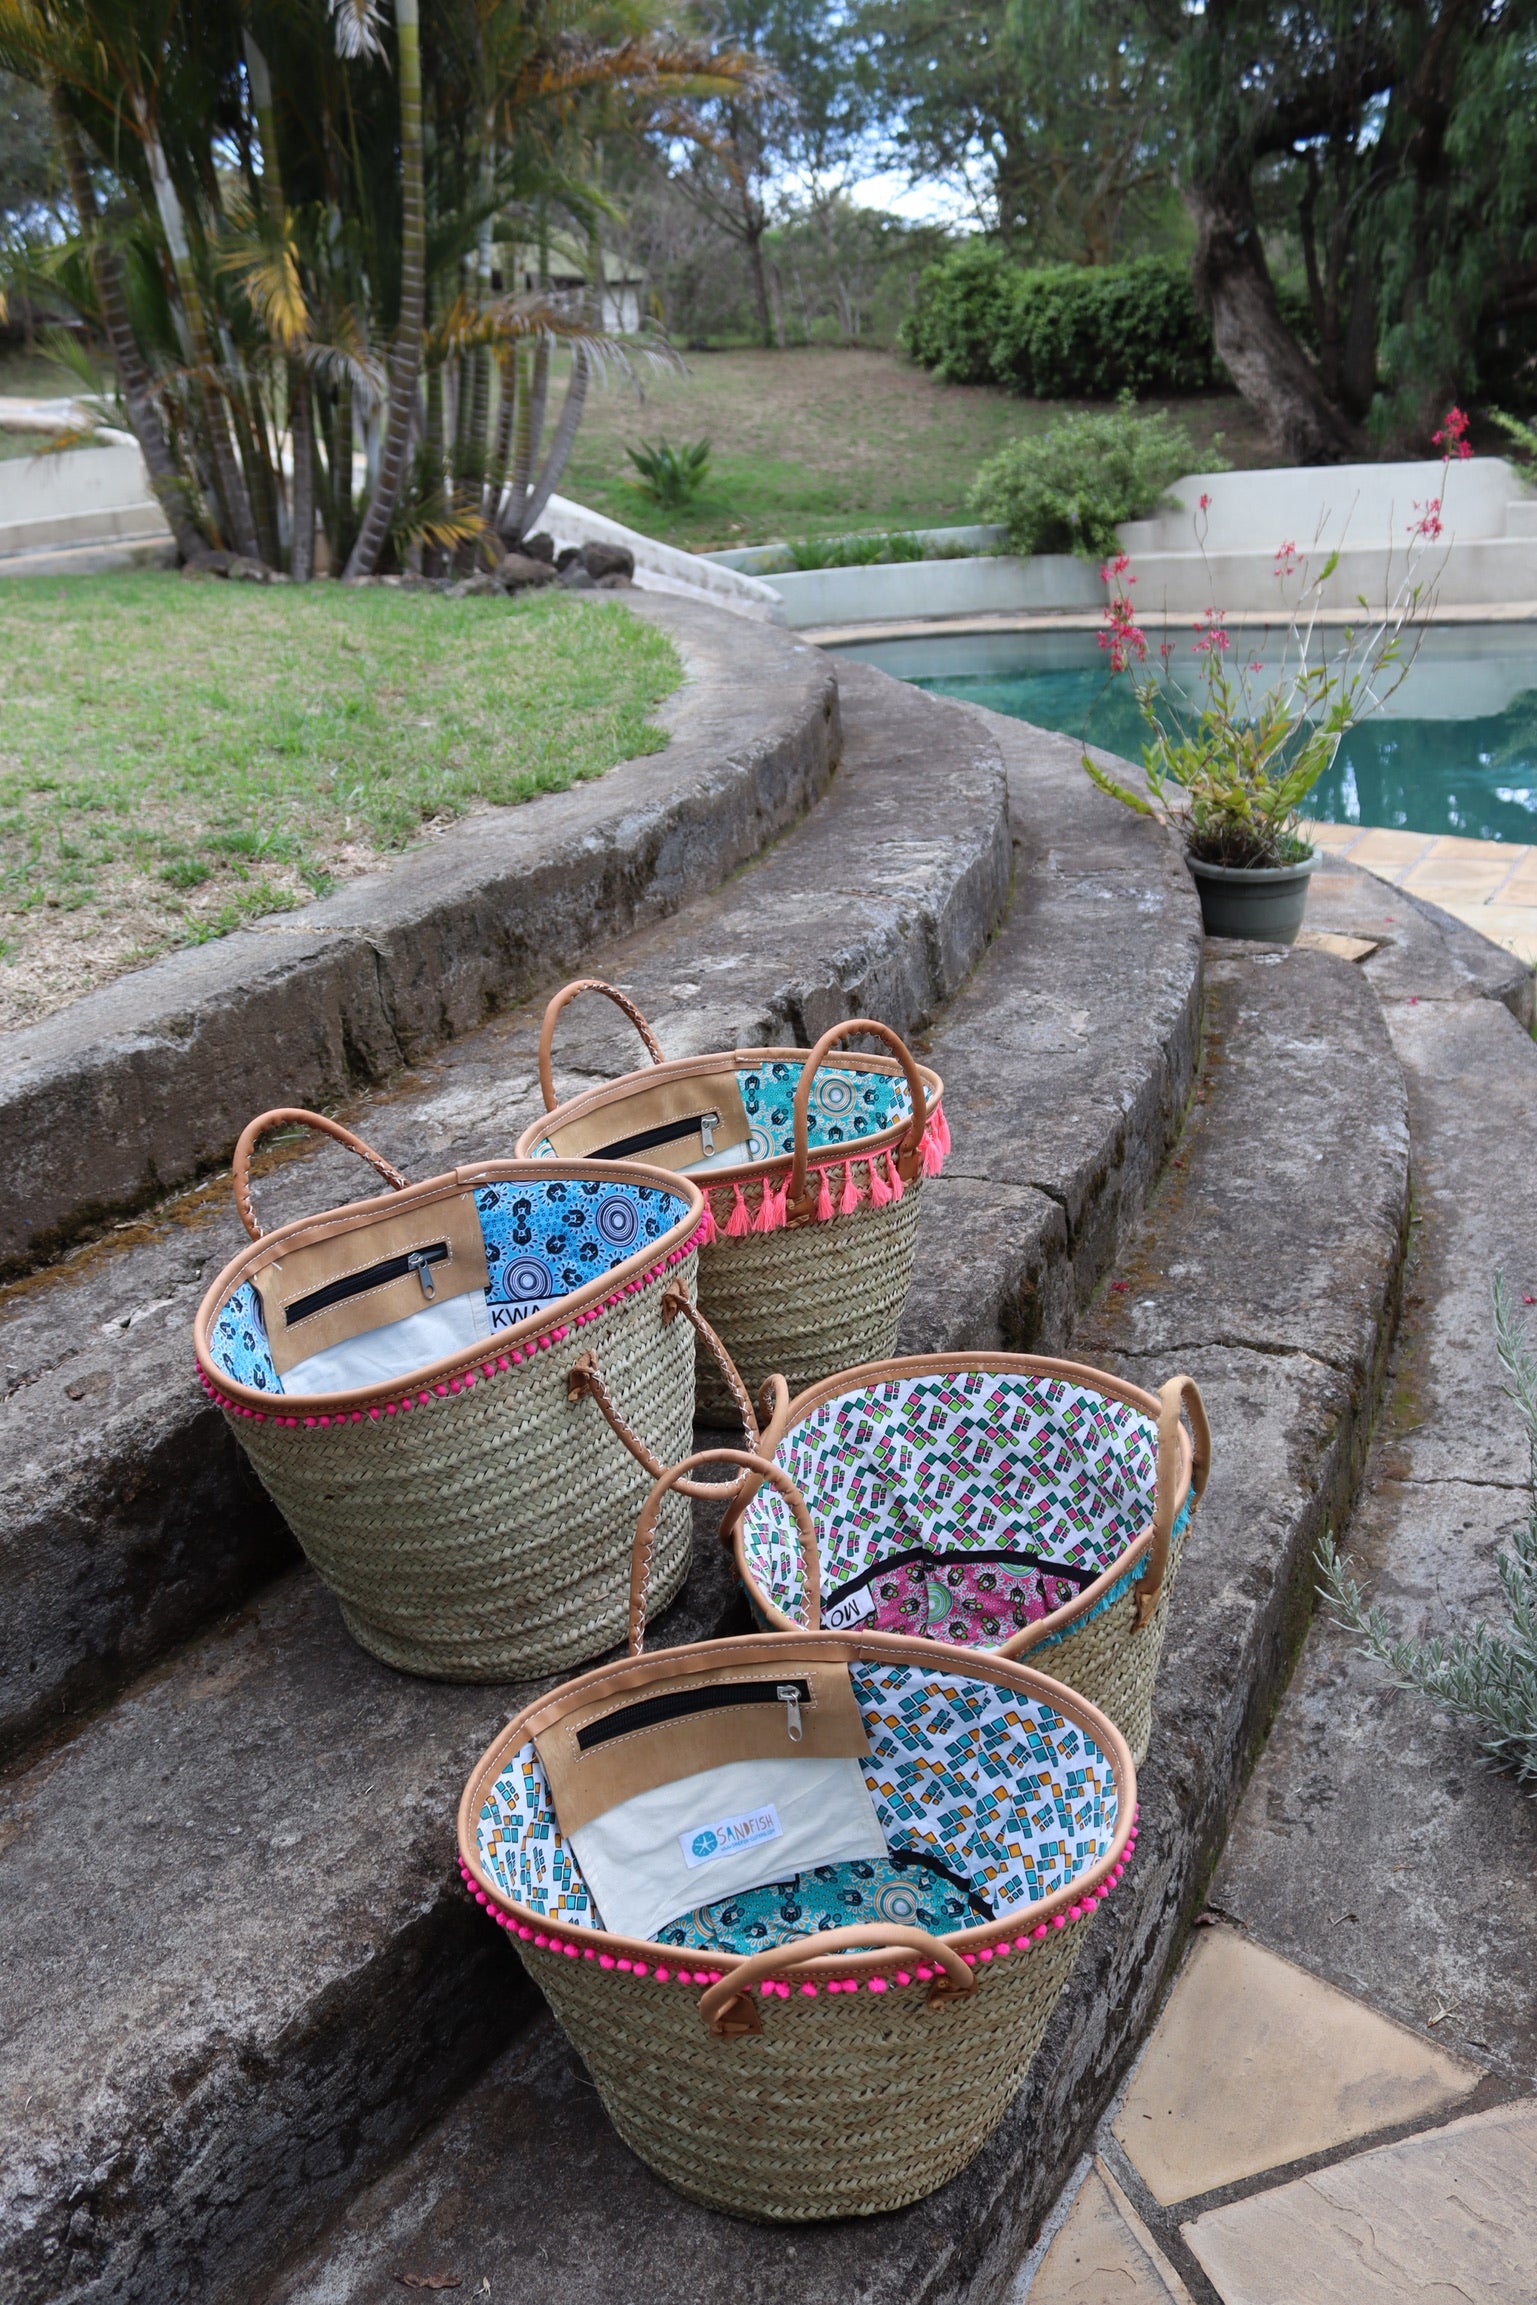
{"type": "Point", "coordinates": [419, 1261]}
{"type": "Point", "coordinates": [919, 1556]}
{"type": "Point", "coordinates": [650, 1710]}
{"type": "Point", "coordinates": [942, 1872]}
{"type": "Point", "coordinates": [667, 1132]}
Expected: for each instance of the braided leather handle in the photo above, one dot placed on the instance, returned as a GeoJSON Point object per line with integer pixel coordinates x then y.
{"type": "Point", "coordinates": [287, 1116]}
{"type": "Point", "coordinates": [797, 1200]}
{"type": "Point", "coordinates": [1178, 1392]}
{"type": "Point", "coordinates": [586, 1382]}
{"type": "Point", "coordinates": [672, 1478]}
{"type": "Point", "coordinates": [560, 1000]}
{"type": "Point", "coordinates": [731, 2014]}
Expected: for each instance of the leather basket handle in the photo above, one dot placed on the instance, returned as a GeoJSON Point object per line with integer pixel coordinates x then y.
{"type": "Point", "coordinates": [773, 1423]}
{"type": "Point", "coordinates": [672, 1478]}
{"type": "Point", "coordinates": [586, 1381]}
{"type": "Point", "coordinates": [560, 1000]}
{"type": "Point", "coordinates": [290, 1116]}
{"type": "Point", "coordinates": [1178, 1392]}
{"type": "Point", "coordinates": [731, 2014]}
{"type": "Point", "coordinates": [796, 1197]}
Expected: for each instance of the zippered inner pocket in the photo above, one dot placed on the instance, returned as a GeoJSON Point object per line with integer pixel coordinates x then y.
{"type": "Point", "coordinates": [419, 1261]}
{"type": "Point", "coordinates": [648, 1712]}
{"type": "Point", "coordinates": [666, 1132]}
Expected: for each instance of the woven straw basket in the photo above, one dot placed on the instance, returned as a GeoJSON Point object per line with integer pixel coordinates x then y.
{"type": "Point", "coordinates": [473, 1515]}
{"type": "Point", "coordinates": [812, 1175]}
{"type": "Point", "coordinates": [942, 1490]}
{"type": "Point", "coordinates": [843, 2069]}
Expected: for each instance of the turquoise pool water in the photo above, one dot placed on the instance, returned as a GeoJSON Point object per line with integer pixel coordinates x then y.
{"type": "Point", "coordinates": [1456, 752]}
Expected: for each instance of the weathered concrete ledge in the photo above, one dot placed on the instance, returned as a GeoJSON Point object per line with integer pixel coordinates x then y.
{"type": "Point", "coordinates": [179, 2136]}
{"type": "Point", "coordinates": [139, 1088]}
{"type": "Point", "coordinates": [127, 1514]}
{"type": "Point", "coordinates": [1279, 1298]}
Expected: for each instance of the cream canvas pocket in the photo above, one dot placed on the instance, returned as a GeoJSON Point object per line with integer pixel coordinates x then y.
{"type": "Point", "coordinates": [708, 1836]}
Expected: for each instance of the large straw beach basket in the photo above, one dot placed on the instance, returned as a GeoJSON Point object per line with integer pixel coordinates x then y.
{"type": "Point", "coordinates": [812, 1175]}
{"type": "Point", "coordinates": [455, 1393]}
{"type": "Point", "coordinates": [997, 1500]}
{"type": "Point", "coordinates": [842, 2039]}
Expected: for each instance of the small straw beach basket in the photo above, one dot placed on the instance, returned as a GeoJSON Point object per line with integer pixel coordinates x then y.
{"type": "Point", "coordinates": [812, 1175]}
{"type": "Point", "coordinates": [452, 1392]}
{"type": "Point", "coordinates": [1025, 1506]}
{"type": "Point", "coordinates": [839, 2040]}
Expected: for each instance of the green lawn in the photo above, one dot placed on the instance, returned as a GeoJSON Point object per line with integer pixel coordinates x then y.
{"type": "Point", "coordinates": [819, 439]}
{"type": "Point", "coordinates": [176, 758]}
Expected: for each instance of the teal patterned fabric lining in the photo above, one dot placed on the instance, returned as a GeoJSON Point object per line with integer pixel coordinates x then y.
{"type": "Point", "coordinates": [543, 1241]}
{"type": "Point", "coordinates": [831, 1897]}
{"type": "Point", "coordinates": [975, 1459]}
{"type": "Point", "coordinates": [994, 1787]}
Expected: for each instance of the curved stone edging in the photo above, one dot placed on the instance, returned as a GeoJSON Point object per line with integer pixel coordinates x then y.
{"type": "Point", "coordinates": [139, 1088]}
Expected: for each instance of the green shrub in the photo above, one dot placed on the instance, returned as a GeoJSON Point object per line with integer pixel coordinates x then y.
{"type": "Point", "coordinates": [856, 551]}
{"type": "Point", "coordinates": [1067, 489]}
{"type": "Point", "coordinates": [1061, 331]}
{"type": "Point", "coordinates": [670, 476]}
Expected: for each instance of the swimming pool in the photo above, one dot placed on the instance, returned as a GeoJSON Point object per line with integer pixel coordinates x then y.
{"type": "Point", "coordinates": [1455, 750]}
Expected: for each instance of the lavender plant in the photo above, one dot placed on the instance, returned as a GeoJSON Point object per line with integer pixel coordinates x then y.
{"type": "Point", "coordinates": [1484, 1676]}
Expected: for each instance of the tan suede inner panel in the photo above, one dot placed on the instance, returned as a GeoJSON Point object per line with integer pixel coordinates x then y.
{"type": "Point", "coordinates": [584, 1785]}
{"type": "Point", "coordinates": [303, 1270]}
{"type": "Point", "coordinates": [654, 1107]}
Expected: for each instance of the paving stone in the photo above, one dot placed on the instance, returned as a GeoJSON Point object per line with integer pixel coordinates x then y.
{"type": "Point", "coordinates": [1254, 2064]}
{"type": "Point", "coordinates": [136, 1090]}
{"type": "Point", "coordinates": [127, 1513]}
{"type": "Point", "coordinates": [1436, 2220]}
{"type": "Point", "coordinates": [1104, 2255]}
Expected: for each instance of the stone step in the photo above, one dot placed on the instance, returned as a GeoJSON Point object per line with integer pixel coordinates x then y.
{"type": "Point", "coordinates": [235, 1962]}
{"type": "Point", "coordinates": [129, 1514]}
{"type": "Point", "coordinates": [1267, 1266]}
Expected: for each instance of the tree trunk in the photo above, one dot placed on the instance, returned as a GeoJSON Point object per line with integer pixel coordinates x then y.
{"type": "Point", "coordinates": [1259, 351]}
{"type": "Point", "coordinates": [564, 437]}
{"type": "Point", "coordinates": [171, 490]}
{"type": "Point", "coordinates": [301, 425]}
{"type": "Point", "coordinates": [752, 241]}
{"type": "Point", "coordinates": [406, 356]}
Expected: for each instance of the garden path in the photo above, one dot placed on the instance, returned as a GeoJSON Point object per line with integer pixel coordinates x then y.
{"type": "Point", "coordinates": [1335, 2107]}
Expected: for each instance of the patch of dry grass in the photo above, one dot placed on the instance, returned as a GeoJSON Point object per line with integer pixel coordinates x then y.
{"type": "Point", "coordinates": [179, 758]}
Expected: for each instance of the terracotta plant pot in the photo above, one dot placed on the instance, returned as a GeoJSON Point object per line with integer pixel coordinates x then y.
{"type": "Point", "coordinates": [1265, 902]}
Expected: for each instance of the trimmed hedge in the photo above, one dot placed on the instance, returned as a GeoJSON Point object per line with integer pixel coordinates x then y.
{"type": "Point", "coordinates": [1061, 331]}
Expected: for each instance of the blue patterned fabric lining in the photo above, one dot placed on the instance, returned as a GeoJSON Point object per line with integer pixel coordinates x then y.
{"type": "Point", "coordinates": [995, 1787]}
{"type": "Point", "coordinates": [543, 1241]}
{"type": "Point", "coordinates": [971, 1459]}
{"type": "Point", "coordinates": [844, 1108]}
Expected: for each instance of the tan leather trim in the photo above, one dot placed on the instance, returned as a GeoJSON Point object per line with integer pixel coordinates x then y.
{"type": "Point", "coordinates": [654, 1102]}
{"type": "Point", "coordinates": [696, 1067]}
{"type": "Point", "coordinates": [788, 1651]}
{"type": "Point", "coordinates": [871, 1373]}
{"type": "Point", "coordinates": [432, 1190]}
{"type": "Point", "coordinates": [302, 1271]}
{"type": "Point", "coordinates": [584, 1785]}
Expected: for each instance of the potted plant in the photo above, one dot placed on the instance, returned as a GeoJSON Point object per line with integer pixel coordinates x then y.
{"type": "Point", "coordinates": [1234, 749]}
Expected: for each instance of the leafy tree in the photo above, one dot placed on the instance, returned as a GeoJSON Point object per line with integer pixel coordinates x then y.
{"type": "Point", "coordinates": [1055, 114]}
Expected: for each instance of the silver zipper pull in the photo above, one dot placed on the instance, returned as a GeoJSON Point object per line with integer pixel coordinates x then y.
{"type": "Point", "coordinates": [421, 1265]}
{"type": "Point", "coordinates": [790, 1697]}
{"type": "Point", "coordinates": [709, 1122]}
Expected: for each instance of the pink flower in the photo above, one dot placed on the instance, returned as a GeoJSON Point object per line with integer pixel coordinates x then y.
{"type": "Point", "coordinates": [1205, 503]}
{"type": "Point", "coordinates": [1428, 524]}
{"type": "Point", "coordinates": [1256, 665]}
{"type": "Point", "coordinates": [1452, 439]}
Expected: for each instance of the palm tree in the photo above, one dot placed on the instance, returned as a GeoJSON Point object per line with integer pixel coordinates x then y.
{"type": "Point", "coordinates": [288, 222]}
